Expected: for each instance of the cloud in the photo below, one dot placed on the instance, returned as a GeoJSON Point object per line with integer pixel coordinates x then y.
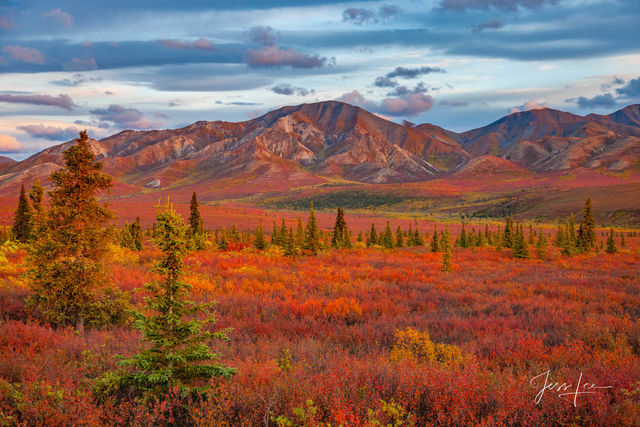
{"type": "Point", "coordinates": [404, 90]}
{"type": "Point", "coordinates": [287, 89]}
{"type": "Point", "coordinates": [51, 133]}
{"type": "Point", "coordinates": [630, 90]}
{"type": "Point", "coordinates": [529, 105]}
{"type": "Point", "coordinates": [76, 80]}
{"type": "Point", "coordinates": [122, 117]}
{"type": "Point", "coordinates": [8, 144]}
{"type": "Point", "coordinates": [490, 25]}
{"type": "Point", "coordinates": [62, 101]}
{"type": "Point", "coordinates": [25, 54]}
{"type": "Point", "coordinates": [409, 105]}
{"type": "Point", "coordinates": [455, 103]}
{"type": "Point", "coordinates": [273, 56]}
{"type": "Point", "coordinates": [79, 64]}
{"type": "Point", "coordinates": [360, 16]}
{"type": "Point", "coordinates": [506, 5]}
{"type": "Point", "coordinates": [604, 100]}
{"type": "Point", "coordinates": [263, 35]}
{"type": "Point", "coordinates": [60, 17]}
{"type": "Point", "coordinates": [385, 82]}
{"type": "Point", "coordinates": [200, 44]}
{"type": "Point", "coordinates": [412, 73]}
{"type": "Point", "coordinates": [6, 23]}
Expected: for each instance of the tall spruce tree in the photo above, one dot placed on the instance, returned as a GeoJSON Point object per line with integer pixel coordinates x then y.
{"type": "Point", "coordinates": [445, 244]}
{"type": "Point", "coordinates": [312, 236]}
{"type": "Point", "coordinates": [520, 246]}
{"type": "Point", "coordinates": [136, 234]}
{"type": "Point", "coordinates": [259, 241]}
{"type": "Point", "coordinates": [508, 234]}
{"type": "Point", "coordinates": [37, 202]}
{"type": "Point", "coordinates": [68, 279]}
{"type": "Point", "coordinates": [387, 237]}
{"type": "Point", "coordinates": [196, 224]}
{"type": "Point", "coordinates": [22, 218]}
{"type": "Point", "coordinates": [435, 243]}
{"type": "Point", "coordinates": [340, 238]}
{"type": "Point", "coordinates": [541, 245]}
{"type": "Point", "coordinates": [399, 238]}
{"type": "Point", "coordinates": [372, 236]}
{"type": "Point", "coordinates": [178, 355]}
{"type": "Point", "coordinates": [611, 243]}
{"type": "Point", "coordinates": [589, 226]}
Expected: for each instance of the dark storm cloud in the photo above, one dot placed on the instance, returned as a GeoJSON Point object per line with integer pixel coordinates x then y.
{"type": "Point", "coordinates": [385, 82]}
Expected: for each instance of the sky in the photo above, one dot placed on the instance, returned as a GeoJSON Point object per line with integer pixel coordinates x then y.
{"type": "Point", "coordinates": [156, 64]}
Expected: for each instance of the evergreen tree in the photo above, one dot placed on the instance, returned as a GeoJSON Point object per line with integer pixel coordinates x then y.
{"type": "Point", "coordinates": [223, 243]}
{"type": "Point", "coordinates": [622, 242]}
{"type": "Point", "coordinates": [447, 266]}
{"type": "Point", "coordinates": [463, 241]}
{"type": "Point", "coordinates": [178, 342]}
{"type": "Point", "coordinates": [126, 239]}
{"type": "Point", "coordinates": [508, 234]}
{"type": "Point", "coordinates": [435, 243]}
{"type": "Point", "coordinates": [387, 237]}
{"type": "Point", "coordinates": [399, 238]}
{"type": "Point", "coordinates": [541, 245]}
{"type": "Point", "coordinates": [532, 239]}
{"type": "Point", "coordinates": [372, 237]}
{"type": "Point", "coordinates": [22, 218]}
{"type": "Point", "coordinates": [275, 235]}
{"type": "Point", "coordinates": [312, 236]}
{"type": "Point", "coordinates": [68, 279]}
{"type": "Point", "coordinates": [136, 234]}
{"type": "Point", "coordinates": [196, 224]}
{"type": "Point", "coordinates": [560, 237]}
{"type": "Point", "coordinates": [589, 226]}
{"type": "Point", "coordinates": [284, 235]}
{"type": "Point", "coordinates": [611, 243]}
{"type": "Point", "coordinates": [291, 249]}
{"type": "Point", "coordinates": [520, 247]}
{"type": "Point", "coordinates": [340, 238]}
{"type": "Point", "coordinates": [360, 238]}
{"type": "Point", "coordinates": [259, 240]}
{"type": "Point", "coordinates": [37, 202]}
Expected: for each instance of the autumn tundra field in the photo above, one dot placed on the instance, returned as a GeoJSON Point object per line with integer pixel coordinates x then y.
{"type": "Point", "coordinates": [319, 318]}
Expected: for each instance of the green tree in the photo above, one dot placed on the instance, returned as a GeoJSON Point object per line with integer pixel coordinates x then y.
{"type": "Point", "coordinates": [508, 234]}
{"type": "Point", "coordinates": [435, 243]}
{"type": "Point", "coordinates": [312, 236]}
{"type": "Point", "coordinates": [67, 275]}
{"type": "Point", "coordinates": [259, 241]}
{"type": "Point", "coordinates": [588, 226]}
{"type": "Point", "coordinates": [37, 202]}
{"type": "Point", "coordinates": [541, 245]}
{"type": "Point", "coordinates": [126, 239]}
{"type": "Point", "coordinates": [387, 237]}
{"type": "Point", "coordinates": [300, 235]}
{"type": "Point", "coordinates": [399, 238]}
{"type": "Point", "coordinates": [291, 249]}
{"type": "Point", "coordinates": [372, 236]}
{"type": "Point", "coordinates": [22, 224]}
{"type": "Point", "coordinates": [611, 243]}
{"type": "Point", "coordinates": [340, 237]}
{"type": "Point", "coordinates": [520, 246]}
{"type": "Point", "coordinates": [136, 234]}
{"type": "Point", "coordinates": [196, 223]}
{"type": "Point", "coordinates": [178, 340]}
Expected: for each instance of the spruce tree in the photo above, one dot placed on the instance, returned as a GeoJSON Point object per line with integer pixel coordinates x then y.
{"type": "Point", "coordinates": [126, 239]}
{"type": "Point", "coordinates": [611, 243]}
{"type": "Point", "coordinates": [276, 239]}
{"type": "Point", "coordinates": [622, 242]}
{"type": "Point", "coordinates": [136, 234]}
{"type": "Point", "coordinates": [196, 224]}
{"type": "Point", "coordinates": [312, 235]}
{"type": "Point", "coordinates": [399, 238]}
{"type": "Point", "coordinates": [541, 245]}
{"type": "Point", "coordinates": [69, 282]}
{"type": "Point", "coordinates": [37, 202]}
{"type": "Point", "coordinates": [259, 240]}
{"type": "Point", "coordinates": [360, 238]}
{"type": "Point", "coordinates": [447, 266]}
{"type": "Point", "coordinates": [178, 353]}
{"type": "Point", "coordinates": [532, 239]}
{"type": "Point", "coordinates": [291, 249]}
{"type": "Point", "coordinates": [520, 246]}
{"type": "Point", "coordinates": [589, 226]}
{"type": "Point", "coordinates": [387, 237]}
{"type": "Point", "coordinates": [22, 218]}
{"type": "Point", "coordinates": [372, 237]}
{"type": "Point", "coordinates": [300, 235]}
{"type": "Point", "coordinates": [508, 234]}
{"type": "Point", "coordinates": [435, 243]}
{"type": "Point", "coordinates": [463, 241]}
{"type": "Point", "coordinates": [340, 238]}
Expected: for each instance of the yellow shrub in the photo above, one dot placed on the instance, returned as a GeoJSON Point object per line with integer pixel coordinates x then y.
{"type": "Point", "coordinates": [417, 347]}
{"type": "Point", "coordinates": [122, 256]}
{"type": "Point", "coordinates": [449, 354]}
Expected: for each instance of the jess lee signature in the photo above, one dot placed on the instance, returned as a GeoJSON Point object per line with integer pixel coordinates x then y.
{"type": "Point", "coordinates": [565, 391]}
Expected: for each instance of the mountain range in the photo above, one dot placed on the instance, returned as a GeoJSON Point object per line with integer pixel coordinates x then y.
{"type": "Point", "coordinates": [332, 141]}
